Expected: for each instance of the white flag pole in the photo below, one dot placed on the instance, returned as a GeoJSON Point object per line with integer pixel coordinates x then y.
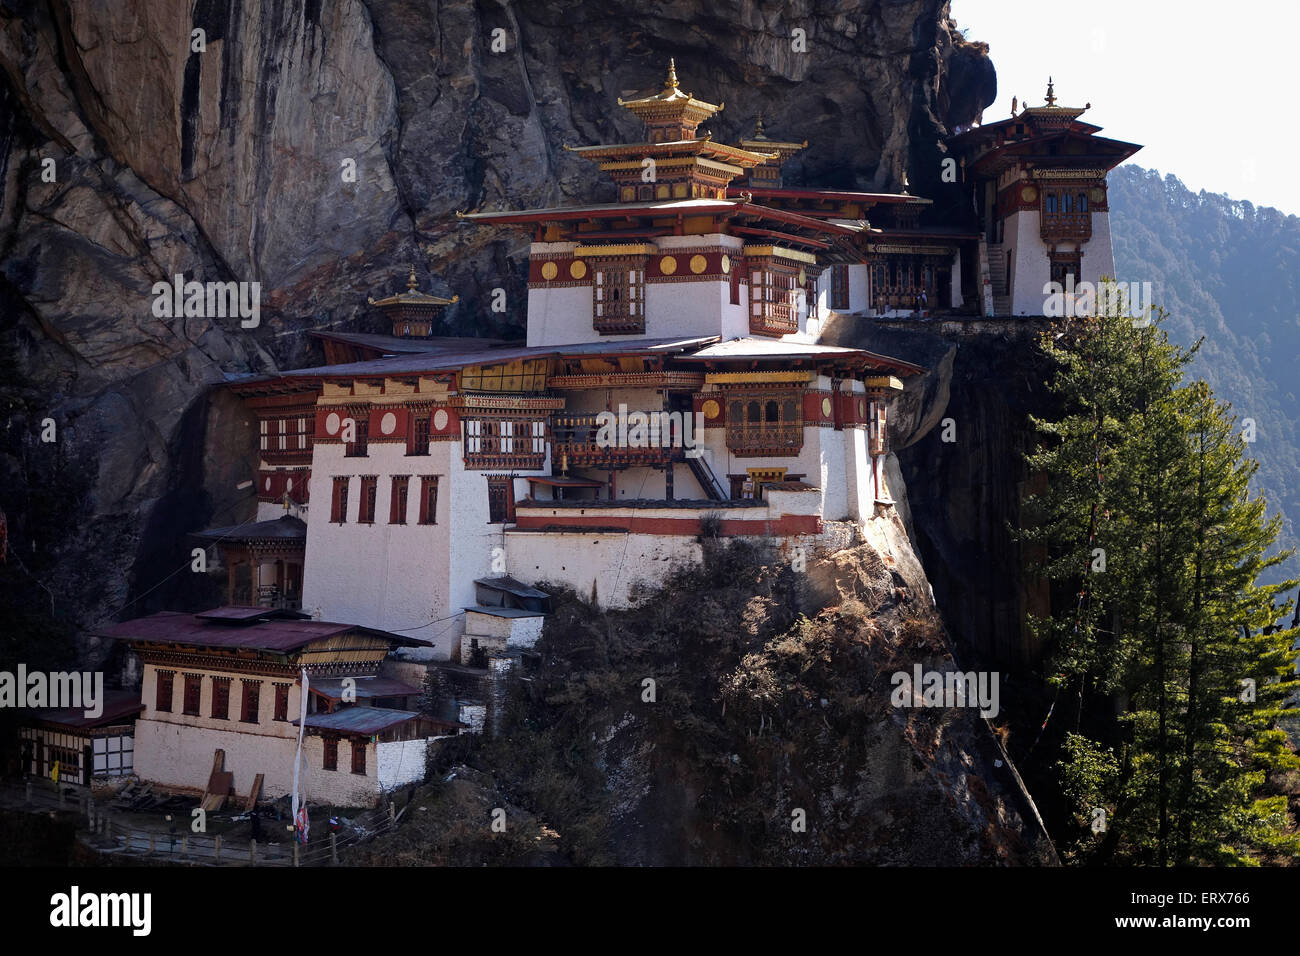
{"type": "Point", "coordinates": [302, 727]}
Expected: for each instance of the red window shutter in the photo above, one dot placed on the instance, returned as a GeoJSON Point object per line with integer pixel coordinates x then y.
{"type": "Point", "coordinates": [397, 500]}
{"type": "Point", "coordinates": [359, 755]}
{"type": "Point", "coordinates": [163, 696]}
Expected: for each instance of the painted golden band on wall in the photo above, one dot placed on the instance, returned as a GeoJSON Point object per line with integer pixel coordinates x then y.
{"type": "Point", "coordinates": [780, 252]}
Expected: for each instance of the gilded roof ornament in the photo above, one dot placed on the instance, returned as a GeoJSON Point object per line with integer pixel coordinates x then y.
{"type": "Point", "coordinates": [1051, 96]}
{"type": "Point", "coordinates": [412, 296]}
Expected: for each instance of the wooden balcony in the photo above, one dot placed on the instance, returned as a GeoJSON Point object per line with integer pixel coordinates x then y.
{"type": "Point", "coordinates": [1065, 225]}
{"type": "Point", "coordinates": [574, 438]}
{"type": "Point", "coordinates": [766, 439]}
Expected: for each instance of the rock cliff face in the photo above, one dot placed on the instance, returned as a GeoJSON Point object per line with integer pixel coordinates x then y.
{"type": "Point", "coordinates": [232, 159]}
{"type": "Point", "coordinates": [745, 714]}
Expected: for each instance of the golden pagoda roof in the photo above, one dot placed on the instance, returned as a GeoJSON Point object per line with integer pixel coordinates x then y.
{"type": "Point", "coordinates": [412, 296]}
{"type": "Point", "coordinates": [671, 102]}
{"type": "Point", "coordinates": [760, 143]}
{"type": "Point", "coordinates": [703, 146]}
{"type": "Point", "coordinates": [1053, 114]}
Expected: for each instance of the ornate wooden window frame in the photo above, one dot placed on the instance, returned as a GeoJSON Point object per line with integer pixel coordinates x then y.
{"type": "Point", "coordinates": [504, 442]}
{"type": "Point", "coordinates": [369, 502]}
{"type": "Point", "coordinates": [618, 294]}
{"type": "Point", "coordinates": [774, 290]}
{"type": "Point", "coordinates": [765, 422]}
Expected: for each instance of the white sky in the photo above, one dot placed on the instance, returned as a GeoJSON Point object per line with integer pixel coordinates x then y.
{"type": "Point", "coordinates": [1207, 87]}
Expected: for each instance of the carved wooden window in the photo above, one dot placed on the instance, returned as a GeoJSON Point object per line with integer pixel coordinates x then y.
{"type": "Point", "coordinates": [330, 761]}
{"type": "Point", "coordinates": [765, 423]}
{"type": "Point", "coordinates": [429, 499]}
{"type": "Point", "coordinates": [193, 688]}
{"type": "Point", "coordinates": [879, 287]}
{"type": "Point", "coordinates": [500, 499]}
{"type": "Point", "coordinates": [358, 755]}
{"type": "Point", "coordinates": [397, 500]}
{"type": "Point", "coordinates": [361, 429]}
{"type": "Point", "coordinates": [369, 492]}
{"type": "Point", "coordinates": [220, 698]}
{"type": "Point", "coordinates": [840, 288]}
{"type": "Point", "coordinates": [339, 501]}
{"type": "Point", "coordinates": [773, 297]}
{"type": "Point", "coordinates": [252, 693]}
{"type": "Point", "coordinates": [281, 702]}
{"type": "Point", "coordinates": [876, 425]}
{"type": "Point", "coordinates": [163, 693]}
{"type": "Point", "coordinates": [618, 295]}
{"type": "Point", "coordinates": [1064, 214]}
{"type": "Point", "coordinates": [1063, 266]}
{"type": "Point", "coordinates": [417, 442]}
{"type": "Point", "coordinates": [504, 443]}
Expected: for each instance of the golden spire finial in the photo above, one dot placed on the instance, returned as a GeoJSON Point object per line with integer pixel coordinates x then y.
{"type": "Point", "coordinates": [410, 280]}
{"type": "Point", "coordinates": [670, 84]}
{"type": "Point", "coordinates": [758, 128]}
{"type": "Point", "coordinates": [1051, 96]}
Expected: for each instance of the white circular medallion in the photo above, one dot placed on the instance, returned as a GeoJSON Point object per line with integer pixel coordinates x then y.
{"type": "Point", "coordinates": [268, 483]}
{"type": "Point", "coordinates": [388, 424]}
{"type": "Point", "coordinates": [440, 419]}
{"type": "Point", "coordinates": [332, 423]}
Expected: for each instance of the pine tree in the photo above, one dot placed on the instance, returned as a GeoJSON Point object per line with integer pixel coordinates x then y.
{"type": "Point", "coordinates": [1148, 511]}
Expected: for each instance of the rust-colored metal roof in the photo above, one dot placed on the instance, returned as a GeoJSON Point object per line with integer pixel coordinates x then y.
{"type": "Point", "coordinates": [560, 481]}
{"type": "Point", "coordinates": [236, 612]}
{"type": "Point", "coordinates": [403, 345]}
{"type": "Point", "coordinates": [284, 528]}
{"type": "Point", "coordinates": [261, 632]}
{"type": "Point", "coordinates": [363, 721]}
{"type": "Point", "coordinates": [755, 349]}
{"type": "Point", "coordinates": [364, 687]}
{"type": "Point", "coordinates": [450, 360]}
{"type": "Point", "coordinates": [116, 707]}
{"type": "Point", "coordinates": [841, 195]}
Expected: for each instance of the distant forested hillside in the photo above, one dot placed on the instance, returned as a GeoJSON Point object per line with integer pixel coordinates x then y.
{"type": "Point", "coordinates": [1230, 271]}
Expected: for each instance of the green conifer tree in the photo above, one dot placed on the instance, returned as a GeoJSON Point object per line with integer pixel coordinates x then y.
{"type": "Point", "coordinates": [1148, 512]}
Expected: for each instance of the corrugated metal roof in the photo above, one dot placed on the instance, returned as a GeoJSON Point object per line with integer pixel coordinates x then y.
{"type": "Point", "coordinates": [504, 611]}
{"type": "Point", "coordinates": [754, 348]}
{"type": "Point", "coordinates": [251, 613]}
{"type": "Point", "coordinates": [116, 707]}
{"type": "Point", "coordinates": [510, 586]}
{"type": "Point", "coordinates": [668, 205]}
{"type": "Point", "coordinates": [451, 360]}
{"type": "Point", "coordinates": [284, 528]}
{"type": "Point", "coordinates": [559, 481]}
{"type": "Point", "coordinates": [365, 687]}
{"type": "Point", "coordinates": [360, 720]}
{"type": "Point", "coordinates": [258, 633]}
{"type": "Point", "coordinates": [403, 345]}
